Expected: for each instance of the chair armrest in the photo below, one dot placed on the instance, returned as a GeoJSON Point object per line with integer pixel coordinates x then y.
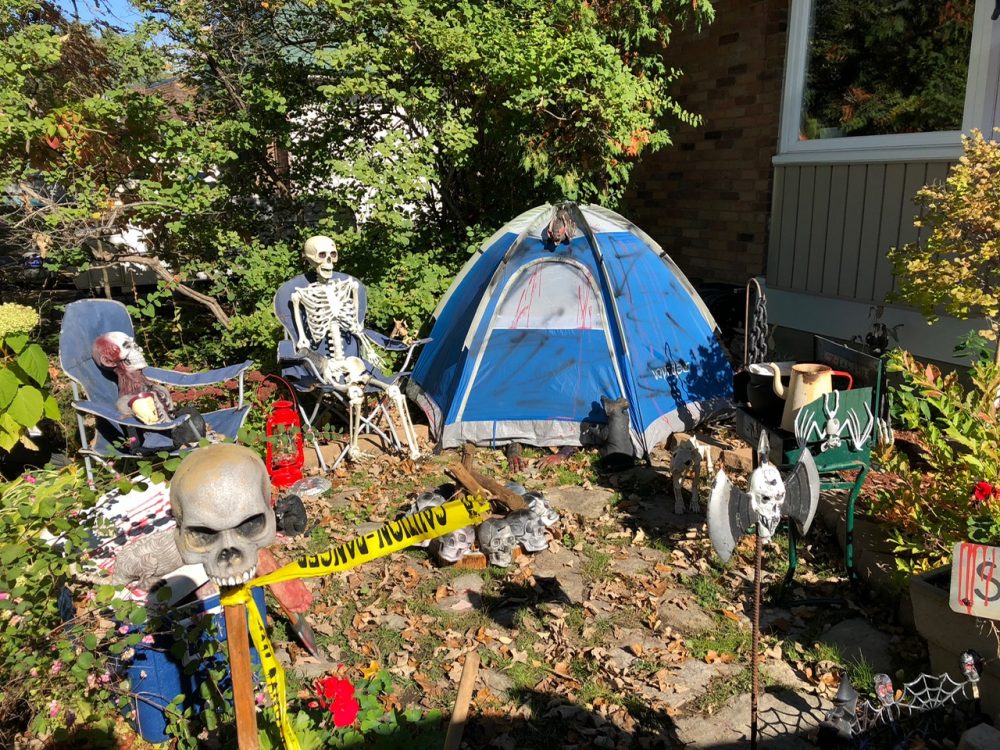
{"type": "Point", "coordinates": [194, 379]}
{"type": "Point", "coordinates": [288, 353]}
{"type": "Point", "coordinates": [392, 345]}
{"type": "Point", "coordinates": [111, 414]}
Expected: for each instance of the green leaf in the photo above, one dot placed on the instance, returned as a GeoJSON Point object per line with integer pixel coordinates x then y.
{"type": "Point", "coordinates": [9, 383]}
{"type": "Point", "coordinates": [26, 408]}
{"type": "Point", "coordinates": [16, 341]}
{"type": "Point", "coordinates": [50, 408]}
{"type": "Point", "coordinates": [85, 660]}
{"type": "Point", "coordinates": [34, 363]}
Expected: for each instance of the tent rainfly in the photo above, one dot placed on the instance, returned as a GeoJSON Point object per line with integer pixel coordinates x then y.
{"type": "Point", "coordinates": [566, 304]}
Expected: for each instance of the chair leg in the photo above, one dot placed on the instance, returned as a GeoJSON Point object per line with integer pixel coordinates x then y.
{"type": "Point", "coordinates": [312, 435]}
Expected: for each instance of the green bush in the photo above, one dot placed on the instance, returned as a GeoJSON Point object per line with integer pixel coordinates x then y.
{"type": "Point", "coordinates": [957, 429]}
{"type": "Point", "coordinates": [58, 641]}
{"type": "Point", "coordinates": [24, 371]}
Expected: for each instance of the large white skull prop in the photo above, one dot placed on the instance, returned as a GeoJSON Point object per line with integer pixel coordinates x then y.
{"type": "Point", "coordinates": [116, 348]}
{"type": "Point", "coordinates": [540, 507]}
{"type": "Point", "coordinates": [321, 254]}
{"type": "Point", "coordinates": [452, 547]}
{"type": "Point", "coordinates": [423, 502]}
{"type": "Point", "coordinates": [221, 500]}
{"type": "Point", "coordinates": [528, 530]}
{"type": "Point", "coordinates": [767, 496]}
{"type": "Point", "coordinates": [496, 541]}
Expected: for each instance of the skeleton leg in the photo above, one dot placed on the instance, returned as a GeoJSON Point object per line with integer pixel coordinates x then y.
{"type": "Point", "coordinates": [394, 393]}
{"type": "Point", "coordinates": [355, 396]}
{"type": "Point", "coordinates": [695, 480]}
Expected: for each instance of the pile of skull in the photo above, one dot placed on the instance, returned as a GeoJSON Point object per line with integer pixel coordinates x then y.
{"type": "Point", "coordinates": [495, 537]}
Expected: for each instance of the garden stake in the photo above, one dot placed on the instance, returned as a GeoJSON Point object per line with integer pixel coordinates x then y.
{"type": "Point", "coordinates": [755, 641]}
{"type": "Point", "coordinates": [239, 666]}
{"type": "Point", "coordinates": [459, 715]}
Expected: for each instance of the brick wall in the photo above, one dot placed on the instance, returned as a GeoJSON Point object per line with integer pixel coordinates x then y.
{"type": "Point", "coordinates": [706, 199]}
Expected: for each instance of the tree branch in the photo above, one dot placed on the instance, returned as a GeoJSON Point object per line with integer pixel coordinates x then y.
{"type": "Point", "coordinates": [154, 264]}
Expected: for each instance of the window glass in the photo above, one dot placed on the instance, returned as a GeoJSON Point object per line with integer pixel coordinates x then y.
{"type": "Point", "coordinates": [878, 67]}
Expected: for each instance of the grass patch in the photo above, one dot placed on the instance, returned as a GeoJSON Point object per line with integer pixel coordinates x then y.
{"type": "Point", "coordinates": [524, 676]}
{"type": "Point", "coordinates": [706, 589]}
{"type": "Point", "coordinates": [721, 689]}
{"type": "Point", "coordinates": [858, 670]}
{"type": "Point", "coordinates": [726, 638]}
{"type": "Point", "coordinates": [595, 567]}
{"type": "Point", "coordinates": [591, 690]}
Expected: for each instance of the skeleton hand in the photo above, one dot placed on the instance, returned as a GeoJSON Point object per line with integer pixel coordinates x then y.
{"type": "Point", "coordinates": [302, 343]}
{"type": "Point", "coordinates": [514, 461]}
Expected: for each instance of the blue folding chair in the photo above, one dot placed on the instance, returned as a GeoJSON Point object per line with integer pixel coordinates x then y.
{"type": "Point", "coordinates": [301, 371]}
{"type": "Point", "coordinates": [116, 436]}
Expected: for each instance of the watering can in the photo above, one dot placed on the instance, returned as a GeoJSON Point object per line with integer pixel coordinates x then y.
{"type": "Point", "coordinates": [808, 382]}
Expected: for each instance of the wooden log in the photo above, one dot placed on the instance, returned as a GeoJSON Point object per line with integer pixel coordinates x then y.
{"type": "Point", "coordinates": [464, 477]}
{"type": "Point", "coordinates": [460, 714]}
{"type": "Point", "coordinates": [508, 497]}
{"type": "Point", "coordinates": [468, 455]}
{"type": "Point", "coordinates": [238, 639]}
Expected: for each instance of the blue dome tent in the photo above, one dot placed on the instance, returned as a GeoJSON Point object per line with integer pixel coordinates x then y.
{"type": "Point", "coordinates": [534, 331]}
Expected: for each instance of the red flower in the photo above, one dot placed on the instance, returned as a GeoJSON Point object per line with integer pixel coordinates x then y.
{"type": "Point", "coordinates": [983, 491]}
{"type": "Point", "coordinates": [337, 695]}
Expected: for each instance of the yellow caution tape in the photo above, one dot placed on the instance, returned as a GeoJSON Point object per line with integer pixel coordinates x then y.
{"type": "Point", "coordinates": [393, 537]}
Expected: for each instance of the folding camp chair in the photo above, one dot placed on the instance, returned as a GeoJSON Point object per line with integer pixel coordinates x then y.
{"type": "Point", "coordinates": [300, 370]}
{"type": "Point", "coordinates": [116, 436]}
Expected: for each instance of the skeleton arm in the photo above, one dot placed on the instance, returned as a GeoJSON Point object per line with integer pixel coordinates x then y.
{"type": "Point", "coordinates": [303, 341]}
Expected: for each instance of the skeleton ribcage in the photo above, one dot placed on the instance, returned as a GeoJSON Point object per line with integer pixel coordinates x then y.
{"type": "Point", "coordinates": [329, 309]}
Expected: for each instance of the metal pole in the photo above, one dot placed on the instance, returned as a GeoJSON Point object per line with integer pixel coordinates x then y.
{"type": "Point", "coordinates": [755, 647]}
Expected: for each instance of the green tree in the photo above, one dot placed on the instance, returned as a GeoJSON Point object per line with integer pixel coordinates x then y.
{"type": "Point", "coordinates": [408, 130]}
{"type": "Point", "coordinates": [956, 268]}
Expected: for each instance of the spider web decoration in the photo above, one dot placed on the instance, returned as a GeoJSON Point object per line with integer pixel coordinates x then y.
{"type": "Point", "coordinates": [925, 693]}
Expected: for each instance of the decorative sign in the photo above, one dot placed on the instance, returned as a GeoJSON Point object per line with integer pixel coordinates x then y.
{"type": "Point", "coordinates": [975, 580]}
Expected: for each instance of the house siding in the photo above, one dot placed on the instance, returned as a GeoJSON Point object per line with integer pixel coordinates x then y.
{"type": "Point", "coordinates": [833, 223]}
{"type": "Point", "coordinates": [706, 199]}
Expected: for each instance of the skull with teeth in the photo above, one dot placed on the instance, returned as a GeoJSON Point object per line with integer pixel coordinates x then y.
{"type": "Point", "coordinates": [423, 502]}
{"type": "Point", "coordinates": [221, 500]}
{"type": "Point", "coordinates": [321, 253]}
{"type": "Point", "coordinates": [116, 349]}
{"type": "Point", "coordinates": [540, 506]}
{"type": "Point", "coordinates": [767, 495]}
{"type": "Point", "coordinates": [496, 541]}
{"type": "Point", "coordinates": [452, 547]}
{"type": "Point", "coordinates": [528, 530]}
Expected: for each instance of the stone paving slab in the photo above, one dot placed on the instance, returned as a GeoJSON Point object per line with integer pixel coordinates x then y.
{"type": "Point", "coordinates": [588, 503]}
{"type": "Point", "coordinates": [787, 720]}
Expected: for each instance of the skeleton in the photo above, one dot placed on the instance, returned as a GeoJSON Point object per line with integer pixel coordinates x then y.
{"type": "Point", "coordinates": [496, 541]}
{"type": "Point", "coordinates": [117, 351]}
{"type": "Point", "coordinates": [732, 512]}
{"type": "Point", "coordinates": [452, 547]}
{"type": "Point", "coordinates": [832, 432]}
{"type": "Point", "coordinates": [423, 502]}
{"type": "Point", "coordinates": [332, 311]}
{"type": "Point", "coordinates": [689, 456]}
{"type": "Point", "coordinates": [528, 530]}
{"type": "Point", "coordinates": [221, 500]}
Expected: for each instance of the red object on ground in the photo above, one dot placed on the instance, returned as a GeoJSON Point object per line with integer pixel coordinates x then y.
{"type": "Point", "coordinates": [291, 595]}
{"type": "Point", "coordinates": [285, 457]}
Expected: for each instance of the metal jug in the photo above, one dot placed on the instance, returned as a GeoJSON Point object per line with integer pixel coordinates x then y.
{"type": "Point", "coordinates": [809, 381]}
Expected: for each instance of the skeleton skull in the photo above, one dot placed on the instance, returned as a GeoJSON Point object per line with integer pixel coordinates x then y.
{"type": "Point", "coordinates": [115, 348]}
{"type": "Point", "coordinates": [528, 530]}
{"type": "Point", "coordinates": [321, 254]}
{"type": "Point", "coordinates": [423, 502]}
{"type": "Point", "coordinates": [452, 547]}
{"type": "Point", "coordinates": [496, 541]}
{"type": "Point", "coordinates": [767, 496]}
{"type": "Point", "coordinates": [221, 500]}
{"type": "Point", "coordinates": [540, 507]}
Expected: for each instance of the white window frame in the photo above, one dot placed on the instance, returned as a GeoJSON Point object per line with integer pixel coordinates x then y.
{"type": "Point", "coordinates": [981, 105]}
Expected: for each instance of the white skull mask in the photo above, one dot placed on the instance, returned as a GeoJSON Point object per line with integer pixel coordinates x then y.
{"type": "Point", "coordinates": [496, 541]}
{"type": "Point", "coordinates": [452, 547]}
{"type": "Point", "coordinates": [528, 530]}
{"type": "Point", "coordinates": [423, 502]}
{"type": "Point", "coordinates": [321, 254]}
{"type": "Point", "coordinates": [115, 348]}
{"type": "Point", "coordinates": [540, 507]}
{"type": "Point", "coordinates": [221, 500]}
{"type": "Point", "coordinates": [767, 496]}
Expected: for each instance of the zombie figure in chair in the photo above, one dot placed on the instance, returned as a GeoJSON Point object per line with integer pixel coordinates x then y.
{"type": "Point", "coordinates": [328, 311]}
{"type": "Point", "coordinates": [138, 396]}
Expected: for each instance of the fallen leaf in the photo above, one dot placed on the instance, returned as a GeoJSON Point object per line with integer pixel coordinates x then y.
{"type": "Point", "coordinates": [371, 670]}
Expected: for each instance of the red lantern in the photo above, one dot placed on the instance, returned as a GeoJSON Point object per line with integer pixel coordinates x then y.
{"type": "Point", "coordinates": [284, 444]}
